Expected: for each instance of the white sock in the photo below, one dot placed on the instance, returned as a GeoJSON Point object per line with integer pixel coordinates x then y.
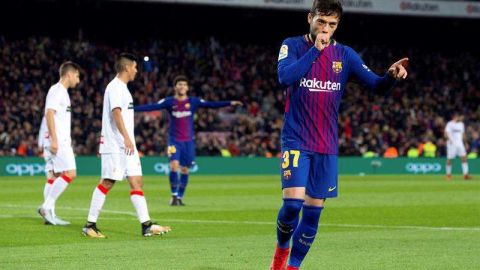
{"type": "Point", "coordinates": [140, 205]}
{"type": "Point", "coordinates": [58, 187]}
{"type": "Point", "coordinates": [98, 199]}
{"type": "Point", "coordinates": [46, 191]}
{"type": "Point", "coordinates": [465, 168]}
{"type": "Point", "coordinates": [47, 188]}
{"type": "Point", "coordinates": [449, 169]}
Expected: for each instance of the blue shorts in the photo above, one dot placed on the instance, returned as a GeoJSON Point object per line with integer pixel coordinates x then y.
{"type": "Point", "coordinates": [318, 173]}
{"type": "Point", "coordinates": [184, 152]}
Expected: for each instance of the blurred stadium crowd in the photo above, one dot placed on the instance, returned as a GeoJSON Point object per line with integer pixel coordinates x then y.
{"type": "Point", "coordinates": [411, 116]}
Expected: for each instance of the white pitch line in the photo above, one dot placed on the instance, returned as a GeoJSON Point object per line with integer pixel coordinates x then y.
{"type": "Point", "coordinates": [207, 221]}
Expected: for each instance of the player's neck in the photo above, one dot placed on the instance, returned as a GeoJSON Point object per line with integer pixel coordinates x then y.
{"type": "Point", "coordinates": [181, 98]}
{"type": "Point", "coordinates": [309, 38]}
{"type": "Point", "coordinates": [64, 83]}
{"type": "Point", "coordinates": [123, 77]}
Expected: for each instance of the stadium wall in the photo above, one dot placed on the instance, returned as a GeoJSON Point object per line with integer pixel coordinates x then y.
{"type": "Point", "coordinates": [10, 166]}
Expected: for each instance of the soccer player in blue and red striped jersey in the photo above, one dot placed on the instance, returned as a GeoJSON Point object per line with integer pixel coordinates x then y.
{"type": "Point", "coordinates": [315, 69]}
{"type": "Point", "coordinates": [181, 137]}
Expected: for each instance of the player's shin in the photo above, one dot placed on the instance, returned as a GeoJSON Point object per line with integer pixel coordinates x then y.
{"type": "Point", "coordinates": [173, 177]}
{"type": "Point", "coordinates": [58, 187]}
{"type": "Point", "coordinates": [465, 168]}
{"type": "Point", "coordinates": [98, 199]}
{"type": "Point", "coordinates": [47, 188]}
{"type": "Point", "coordinates": [304, 235]}
{"type": "Point", "coordinates": [287, 221]}
{"type": "Point", "coordinates": [183, 185]}
{"type": "Point", "coordinates": [140, 205]}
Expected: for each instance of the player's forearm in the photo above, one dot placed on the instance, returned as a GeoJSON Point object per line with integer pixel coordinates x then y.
{"type": "Point", "coordinates": [117, 117]}
{"type": "Point", "coordinates": [377, 83]}
{"type": "Point", "coordinates": [215, 104]}
{"type": "Point", "coordinates": [149, 107]}
{"type": "Point", "coordinates": [291, 71]}
{"type": "Point", "coordinates": [49, 116]}
{"type": "Point", "coordinates": [385, 83]}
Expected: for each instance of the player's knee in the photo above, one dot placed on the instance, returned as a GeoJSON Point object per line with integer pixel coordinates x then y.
{"type": "Point", "coordinates": [136, 188]}
{"type": "Point", "coordinates": [107, 183]}
{"type": "Point", "coordinates": [292, 207]}
{"type": "Point", "coordinates": [174, 166]}
{"type": "Point", "coordinates": [184, 170]}
{"type": "Point", "coordinates": [71, 174]}
{"type": "Point", "coordinates": [314, 202]}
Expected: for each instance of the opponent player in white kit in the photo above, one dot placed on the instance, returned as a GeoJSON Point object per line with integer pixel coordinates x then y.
{"type": "Point", "coordinates": [455, 133]}
{"type": "Point", "coordinates": [59, 152]}
{"type": "Point", "coordinates": [120, 157]}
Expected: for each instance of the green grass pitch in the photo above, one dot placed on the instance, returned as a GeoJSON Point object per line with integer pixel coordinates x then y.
{"type": "Point", "coordinates": [377, 222]}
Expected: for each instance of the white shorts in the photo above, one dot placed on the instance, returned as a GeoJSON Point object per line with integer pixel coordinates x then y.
{"type": "Point", "coordinates": [64, 160]}
{"type": "Point", "coordinates": [455, 150]}
{"type": "Point", "coordinates": [118, 166]}
{"type": "Point", "coordinates": [47, 156]}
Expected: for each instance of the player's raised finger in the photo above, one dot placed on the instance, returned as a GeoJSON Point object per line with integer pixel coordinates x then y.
{"type": "Point", "coordinates": [404, 62]}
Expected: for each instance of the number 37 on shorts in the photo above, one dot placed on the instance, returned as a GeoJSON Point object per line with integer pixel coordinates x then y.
{"type": "Point", "coordinates": [318, 173]}
{"type": "Point", "coordinates": [290, 160]}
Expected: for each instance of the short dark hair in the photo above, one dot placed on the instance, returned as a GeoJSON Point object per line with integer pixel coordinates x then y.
{"type": "Point", "coordinates": [180, 78]}
{"type": "Point", "coordinates": [122, 60]}
{"type": "Point", "coordinates": [327, 8]}
{"type": "Point", "coordinates": [68, 66]}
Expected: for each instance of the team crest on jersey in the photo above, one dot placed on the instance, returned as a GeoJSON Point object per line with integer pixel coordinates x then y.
{"type": "Point", "coordinates": [337, 66]}
{"type": "Point", "coordinates": [187, 106]}
{"type": "Point", "coordinates": [287, 174]}
{"type": "Point", "coordinates": [283, 52]}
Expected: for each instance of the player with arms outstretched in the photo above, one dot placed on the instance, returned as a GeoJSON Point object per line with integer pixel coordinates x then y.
{"type": "Point", "coordinates": [315, 69]}
{"type": "Point", "coordinates": [181, 138]}
{"type": "Point", "coordinates": [119, 154]}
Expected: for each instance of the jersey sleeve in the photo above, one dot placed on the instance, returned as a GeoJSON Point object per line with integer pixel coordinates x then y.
{"type": "Point", "coordinates": [211, 104]}
{"type": "Point", "coordinates": [291, 68]}
{"type": "Point", "coordinates": [53, 100]}
{"type": "Point", "coordinates": [162, 104]}
{"type": "Point", "coordinates": [115, 100]}
{"type": "Point", "coordinates": [361, 72]}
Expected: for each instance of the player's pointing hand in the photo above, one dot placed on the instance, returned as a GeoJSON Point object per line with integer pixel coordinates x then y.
{"type": "Point", "coordinates": [236, 103]}
{"type": "Point", "coordinates": [399, 69]}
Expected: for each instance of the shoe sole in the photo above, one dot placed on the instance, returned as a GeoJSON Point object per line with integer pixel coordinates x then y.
{"type": "Point", "coordinates": [93, 237]}
{"type": "Point", "coordinates": [157, 234]}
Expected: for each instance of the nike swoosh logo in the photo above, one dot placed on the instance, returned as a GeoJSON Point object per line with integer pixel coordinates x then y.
{"type": "Point", "coordinates": [332, 189]}
{"type": "Point", "coordinates": [307, 237]}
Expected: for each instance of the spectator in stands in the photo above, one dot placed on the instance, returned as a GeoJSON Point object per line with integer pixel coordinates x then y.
{"type": "Point", "coordinates": [441, 82]}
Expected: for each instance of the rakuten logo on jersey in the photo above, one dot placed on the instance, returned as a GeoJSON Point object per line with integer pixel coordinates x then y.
{"type": "Point", "coordinates": [182, 114]}
{"type": "Point", "coordinates": [320, 86]}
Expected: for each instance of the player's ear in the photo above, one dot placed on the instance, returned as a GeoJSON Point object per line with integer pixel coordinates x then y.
{"type": "Point", "coordinates": [309, 18]}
